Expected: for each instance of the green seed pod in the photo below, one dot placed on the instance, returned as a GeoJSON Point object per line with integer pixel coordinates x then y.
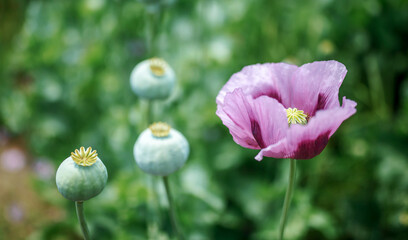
{"type": "Point", "coordinates": [82, 175]}
{"type": "Point", "coordinates": [152, 79]}
{"type": "Point", "coordinates": [160, 150]}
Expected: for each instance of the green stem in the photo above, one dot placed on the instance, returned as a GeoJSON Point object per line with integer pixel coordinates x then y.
{"type": "Point", "coordinates": [153, 21]}
{"type": "Point", "coordinates": [149, 112]}
{"type": "Point", "coordinates": [288, 197]}
{"type": "Point", "coordinates": [150, 33]}
{"type": "Point", "coordinates": [81, 218]}
{"type": "Point", "coordinates": [153, 217]}
{"type": "Point", "coordinates": [171, 209]}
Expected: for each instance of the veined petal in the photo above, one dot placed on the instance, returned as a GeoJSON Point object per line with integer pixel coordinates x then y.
{"type": "Point", "coordinates": [235, 114]}
{"type": "Point", "coordinates": [269, 79]}
{"type": "Point", "coordinates": [252, 105]}
{"type": "Point", "coordinates": [310, 140]}
{"type": "Point", "coordinates": [253, 123]}
{"type": "Point", "coordinates": [315, 86]}
{"type": "Point", "coordinates": [270, 115]}
{"type": "Point", "coordinates": [277, 150]}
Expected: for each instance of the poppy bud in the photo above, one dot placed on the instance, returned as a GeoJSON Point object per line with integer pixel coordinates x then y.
{"type": "Point", "coordinates": [152, 79]}
{"type": "Point", "coordinates": [82, 175]}
{"type": "Point", "coordinates": [161, 150]}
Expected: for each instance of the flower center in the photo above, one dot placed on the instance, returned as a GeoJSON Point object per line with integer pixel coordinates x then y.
{"type": "Point", "coordinates": [157, 66]}
{"type": "Point", "coordinates": [84, 158]}
{"type": "Point", "coordinates": [296, 116]}
{"type": "Point", "coordinates": [160, 129]}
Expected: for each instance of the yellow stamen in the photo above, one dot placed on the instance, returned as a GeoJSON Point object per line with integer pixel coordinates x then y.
{"type": "Point", "coordinates": [160, 129]}
{"type": "Point", "coordinates": [84, 158]}
{"type": "Point", "coordinates": [296, 116]}
{"type": "Point", "coordinates": [157, 66]}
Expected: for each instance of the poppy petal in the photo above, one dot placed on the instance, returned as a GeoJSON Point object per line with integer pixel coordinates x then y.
{"type": "Point", "coordinates": [315, 86]}
{"type": "Point", "coordinates": [235, 114]}
{"type": "Point", "coordinates": [253, 123]}
{"type": "Point", "coordinates": [310, 140]}
{"type": "Point", "coordinates": [277, 150]}
{"type": "Point", "coordinates": [269, 79]}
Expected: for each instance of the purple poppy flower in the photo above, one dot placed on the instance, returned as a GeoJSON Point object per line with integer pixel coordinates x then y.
{"type": "Point", "coordinates": [285, 110]}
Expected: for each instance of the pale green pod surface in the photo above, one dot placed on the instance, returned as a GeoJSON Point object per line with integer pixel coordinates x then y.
{"type": "Point", "coordinates": [81, 182]}
{"type": "Point", "coordinates": [161, 153]}
{"type": "Point", "coordinates": [152, 79]}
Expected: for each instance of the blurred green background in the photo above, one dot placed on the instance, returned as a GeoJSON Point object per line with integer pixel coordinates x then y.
{"type": "Point", "coordinates": [64, 83]}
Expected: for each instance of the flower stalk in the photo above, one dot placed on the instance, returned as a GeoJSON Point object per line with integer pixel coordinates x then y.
{"type": "Point", "coordinates": [151, 30]}
{"type": "Point", "coordinates": [153, 217]}
{"type": "Point", "coordinates": [149, 112]}
{"type": "Point", "coordinates": [79, 205]}
{"type": "Point", "coordinates": [171, 209]}
{"type": "Point", "coordinates": [288, 198]}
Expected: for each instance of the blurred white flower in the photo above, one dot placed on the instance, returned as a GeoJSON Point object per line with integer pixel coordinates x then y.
{"type": "Point", "coordinates": [215, 14]}
{"type": "Point", "coordinates": [183, 29]}
{"type": "Point", "coordinates": [94, 5]}
{"type": "Point", "coordinates": [220, 49]}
